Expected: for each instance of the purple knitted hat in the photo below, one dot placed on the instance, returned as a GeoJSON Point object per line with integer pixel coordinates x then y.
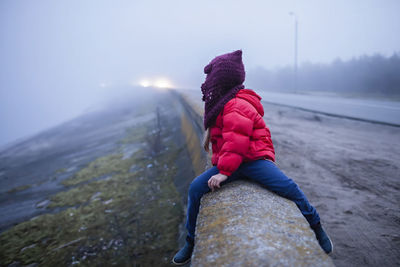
{"type": "Point", "coordinates": [225, 77]}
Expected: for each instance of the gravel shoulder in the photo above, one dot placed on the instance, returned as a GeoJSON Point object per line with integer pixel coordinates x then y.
{"type": "Point", "coordinates": [349, 170]}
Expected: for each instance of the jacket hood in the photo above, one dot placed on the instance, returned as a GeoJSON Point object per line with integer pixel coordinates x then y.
{"type": "Point", "coordinates": [253, 98]}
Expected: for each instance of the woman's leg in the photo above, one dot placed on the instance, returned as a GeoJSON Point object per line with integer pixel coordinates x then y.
{"type": "Point", "coordinates": [197, 189]}
{"type": "Point", "coordinates": [271, 177]}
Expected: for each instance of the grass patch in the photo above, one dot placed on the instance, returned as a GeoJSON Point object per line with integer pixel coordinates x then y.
{"type": "Point", "coordinates": [128, 219]}
{"type": "Point", "coordinates": [61, 171]}
{"type": "Point", "coordinates": [101, 166]}
{"type": "Point", "coordinates": [134, 134]}
{"type": "Point", "coordinates": [19, 188]}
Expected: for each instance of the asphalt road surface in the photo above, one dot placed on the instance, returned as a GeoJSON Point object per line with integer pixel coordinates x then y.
{"type": "Point", "coordinates": [381, 111]}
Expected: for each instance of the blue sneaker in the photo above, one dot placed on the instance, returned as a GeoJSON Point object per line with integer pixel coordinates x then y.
{"type": "Point", "coordinates": [323, 239]}
{"type": "Point", "coordinates": [184, 254]}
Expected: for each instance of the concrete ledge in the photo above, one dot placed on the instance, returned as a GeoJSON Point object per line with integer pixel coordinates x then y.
{"type": "Point", "coordinates": [243, 224]}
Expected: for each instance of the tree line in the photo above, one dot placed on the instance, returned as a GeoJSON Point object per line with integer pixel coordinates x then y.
{"type": "Point", "coordinates": [372, 75]}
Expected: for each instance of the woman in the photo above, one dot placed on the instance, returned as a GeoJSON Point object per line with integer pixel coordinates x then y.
{"type": "Point", "coordinates": [241, 147]}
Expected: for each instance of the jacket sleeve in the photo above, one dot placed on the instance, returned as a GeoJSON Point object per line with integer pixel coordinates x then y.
{"type": "Point", "coordinates": [236, 132]}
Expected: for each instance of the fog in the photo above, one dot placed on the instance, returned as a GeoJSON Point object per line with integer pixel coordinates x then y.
{"type": "Point", "coordinates": [60, 59]}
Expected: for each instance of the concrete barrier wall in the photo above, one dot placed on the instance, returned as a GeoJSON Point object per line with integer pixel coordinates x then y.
{"type": "Point", "coordinates": [243, 224]}
{"type": "Point", "coordinates": [193, 144]}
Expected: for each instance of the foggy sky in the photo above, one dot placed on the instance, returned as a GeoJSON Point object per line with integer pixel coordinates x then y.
{"type": "Point", "coordinates": [60, 57]}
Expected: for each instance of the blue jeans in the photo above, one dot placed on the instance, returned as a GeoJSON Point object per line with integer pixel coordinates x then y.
{"type": "Point", "coordinates": [264, 172]}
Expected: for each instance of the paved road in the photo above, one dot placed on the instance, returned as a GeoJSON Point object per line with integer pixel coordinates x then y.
{"type": "Point", "coordinates": [387, 112]}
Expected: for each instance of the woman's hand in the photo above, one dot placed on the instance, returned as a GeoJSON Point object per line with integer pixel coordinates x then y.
{"type": "Point", "coordinates": [215, 180]}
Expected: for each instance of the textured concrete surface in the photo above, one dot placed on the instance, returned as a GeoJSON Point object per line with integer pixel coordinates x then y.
{"type": "Point", "coordinates": [243, 224]}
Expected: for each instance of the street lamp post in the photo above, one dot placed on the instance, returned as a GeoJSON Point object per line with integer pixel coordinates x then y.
{"type": "Point", "coordinates": [295, 50]}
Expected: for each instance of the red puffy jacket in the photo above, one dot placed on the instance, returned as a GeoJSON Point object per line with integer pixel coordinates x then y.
{"type": "Point", "coordinates": [240, 134]}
